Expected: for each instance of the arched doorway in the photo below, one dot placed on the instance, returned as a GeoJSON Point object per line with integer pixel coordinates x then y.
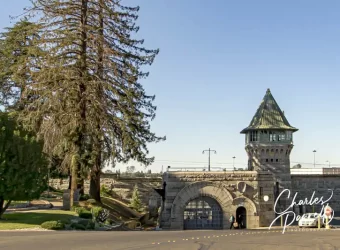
{"type": "Point", "coordinates": [203, 213]}
{"type": "Point", "coordinates": [241, 211]}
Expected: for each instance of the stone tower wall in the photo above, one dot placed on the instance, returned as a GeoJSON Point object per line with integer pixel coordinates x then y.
{"type": "Point", "coordinates": [275, 158]}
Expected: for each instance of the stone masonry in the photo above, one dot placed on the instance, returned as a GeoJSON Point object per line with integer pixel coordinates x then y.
{"type": "Point", "coordinates": [231, 189]}
{"type": "Point", "coordinates": [305, 185]}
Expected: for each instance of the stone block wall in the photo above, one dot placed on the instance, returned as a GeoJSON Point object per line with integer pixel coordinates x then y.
{"type": "Point", "coordinates": [232, 188]}
{"type": "Point", "coordinates": [305, 185]}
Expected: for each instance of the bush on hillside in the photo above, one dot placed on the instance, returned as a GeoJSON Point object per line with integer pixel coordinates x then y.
{"type": "Point", "coordinates": [75, 208]}
{"type": "Point", "coordinates": [88, 224]}
{"type": "Point", "coordinates": [84, 197]}
{"type": "Point", "coordinates": [96, 211]}
{"type": "Point", "coordinates": [53, 225]}
{"type": "Point", "coordinates": [78, 226]}
{"type": "Point", "coordinates": [85, 214]}
{"type": "Point", "coordinates": [136, 202]}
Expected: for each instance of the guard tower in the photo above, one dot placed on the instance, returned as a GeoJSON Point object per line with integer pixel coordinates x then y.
{"type": "Point", "coordinates": [269, 142]}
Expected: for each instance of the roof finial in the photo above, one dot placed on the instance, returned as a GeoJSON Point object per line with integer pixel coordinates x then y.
{"type": "Point", "coordinates": [268, 91]}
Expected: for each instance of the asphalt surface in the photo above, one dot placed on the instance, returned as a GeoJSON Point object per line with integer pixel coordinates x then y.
{"type": "Point", "coordinates": [188, 240]}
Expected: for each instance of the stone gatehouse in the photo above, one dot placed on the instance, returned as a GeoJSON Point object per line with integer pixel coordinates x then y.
{"type": "Point", "coordinates": [214, 196]}
{"type": "Point", "coordinates": [205, 200]}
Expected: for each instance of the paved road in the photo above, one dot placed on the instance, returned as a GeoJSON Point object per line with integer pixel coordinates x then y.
{"type": "Point", "coordinates": [169, 240]}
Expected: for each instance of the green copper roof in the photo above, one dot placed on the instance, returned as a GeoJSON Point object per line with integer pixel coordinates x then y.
{"type": "Point", "coordinates": [269, 116]}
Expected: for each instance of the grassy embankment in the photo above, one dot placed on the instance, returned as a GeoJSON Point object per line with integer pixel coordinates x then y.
{"type": "Point", "coordinates": [33, 219]}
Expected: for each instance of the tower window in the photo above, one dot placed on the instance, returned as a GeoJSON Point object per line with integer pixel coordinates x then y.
{"type": "Point", "coordinates": [271, 160]}
{"type": "Point", "coordinates": [266, 160]}
{"type": "Point", "coordinates": [289, 135]}
{"type": "Point", "coordinates": [276, 150]}
{"type": "Point", "coordinates": [281, 151]}
{"type": "Point", "coordinates": [272, 136]}
{"type": "Point", "coordinates": [267, 151]}
{"type": "Point", "coordinates": [253, 136]}
{"type": "Point", "coordinates": [277, 160]}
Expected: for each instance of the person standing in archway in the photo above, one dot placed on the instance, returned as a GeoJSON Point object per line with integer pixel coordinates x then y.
{"type": "Point", "coordinates": [232, 220]}
{"type": "Point", "coordinates": [240, 221]}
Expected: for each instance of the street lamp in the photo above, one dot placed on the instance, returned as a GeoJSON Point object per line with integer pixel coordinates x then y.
{"type": "Point", "coordinates": [234, 162]}
{"type": "Point", "coordinates": [329, 164]}
{"type": "Point", "coordinates": [314, 151]}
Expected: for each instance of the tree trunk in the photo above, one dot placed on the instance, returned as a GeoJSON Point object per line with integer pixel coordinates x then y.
{"type": "Point", "coordinates": [95, 184]}
{"type": "Point", "coordinates": [80, 184]}
{"type": "Point", "coordinates": [96, 169]}
{"type": "Point", "coordinates": [74, 174]}
{"type": "Point", "coordinates": [69, 181]}
{"type": "Point", "coordinates": [3, 206]}
{"type": "Point", "coordinates": [82, 101]}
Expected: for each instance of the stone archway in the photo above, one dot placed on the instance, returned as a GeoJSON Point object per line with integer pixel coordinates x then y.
{"type": "Point", "coordinates": [203, 213]}
{"type": "Point", "coordinates": [252, 218]}
{"type": "Point", "coordinates": [201, 189]}
{"type": "Point", "coordinates": [242, 221]}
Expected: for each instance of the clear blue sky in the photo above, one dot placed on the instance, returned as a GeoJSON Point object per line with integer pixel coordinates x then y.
{"type": "Point", "coordinates": [217, 58]}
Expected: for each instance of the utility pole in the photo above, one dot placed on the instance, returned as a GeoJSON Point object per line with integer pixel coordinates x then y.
{"type": "Point", "coordinates": [209, 150]}
{"type": "Point", "coordinates": [314, 157]}
{"type": "Point", "coordinates": [234, 162]}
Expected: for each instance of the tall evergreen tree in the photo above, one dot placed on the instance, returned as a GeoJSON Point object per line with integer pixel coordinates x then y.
{"type": "Point", "coordinates": [125, 110]}
{"type": "Point", "coordinates": [87, 88]}
{"type": "Point", "coordinates": [18, 61]}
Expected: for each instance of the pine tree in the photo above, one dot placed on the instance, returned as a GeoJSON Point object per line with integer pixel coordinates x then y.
{"type": "Point", "coordinates": [18, 57]}
{"type": "Point", "coordinates": [86, 90]}
{"type": "Point", "coordinates": [136, 202]}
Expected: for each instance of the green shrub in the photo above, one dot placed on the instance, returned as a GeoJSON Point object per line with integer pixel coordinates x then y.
{"type": "Point", "coordinates": [85, 214]}
{"type": "Point", "coordinates": [75, 208]}
{"type": "Point", "coordinates": [84, 222]}
{"type": "Point", "coordinates": [65, 221]}
{"type": "Point", "coordinates": [96, 211]}
{"type": "Point", "coordinates": [104, 191]}
{"type": "Point", "coordinates": [80, 210]}
{"type": "Point", "coordinates": [53, 225]}
{"type": "Point", "coordinates": [88, 224]}
{"type": "Point", "coordinates": [108, 222]}
{"type": "Point", "coordinates": [84, 197]}
{"type": "Point", "coordinates": [78, 226]}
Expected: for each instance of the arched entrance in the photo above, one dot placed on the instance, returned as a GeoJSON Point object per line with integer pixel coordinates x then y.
{"type": "Point", "coordinates": [241, 211]}
{"type": "Point", "coordinates": [203, 213]}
